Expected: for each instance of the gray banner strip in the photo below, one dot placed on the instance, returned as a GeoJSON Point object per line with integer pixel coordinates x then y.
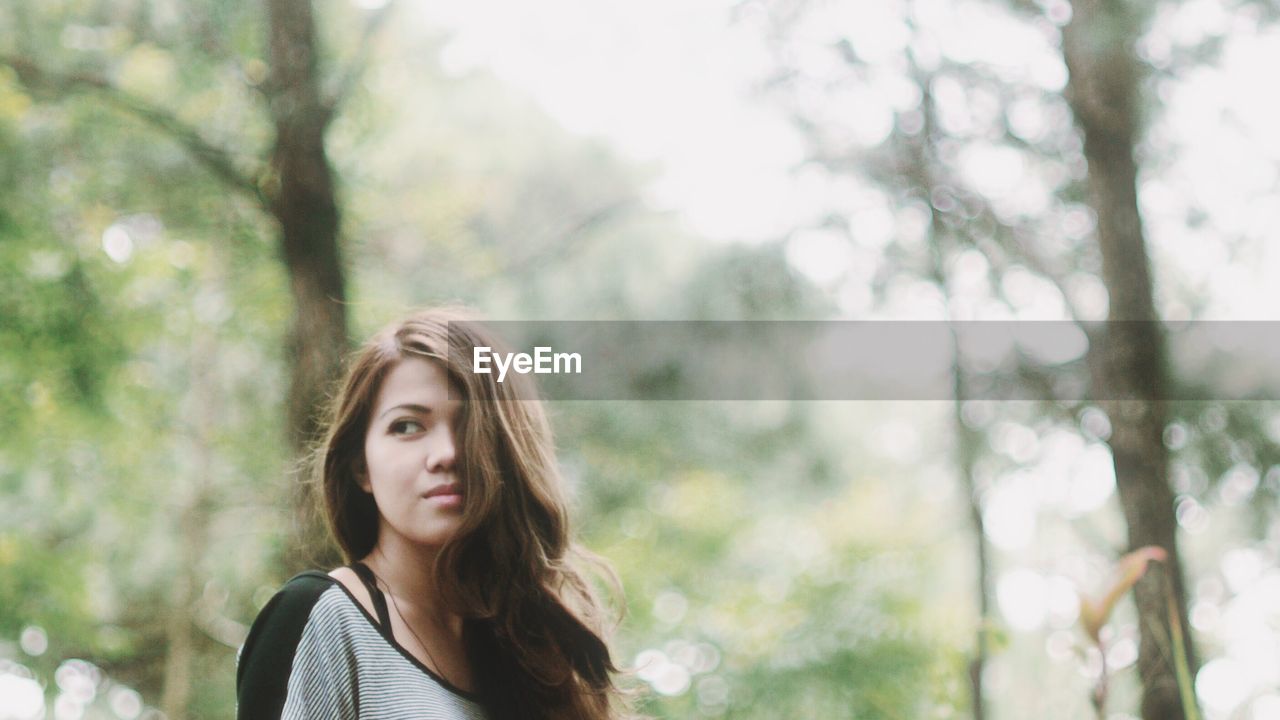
{"type": "Point", "coordinates": [863, 360]}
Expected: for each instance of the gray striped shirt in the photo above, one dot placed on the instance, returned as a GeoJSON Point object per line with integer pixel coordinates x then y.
{"type": "Point", "coordinates": [340, 666]}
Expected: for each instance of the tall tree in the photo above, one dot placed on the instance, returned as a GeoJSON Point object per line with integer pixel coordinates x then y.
{"type": "Point", "coordinates": [294, 186]}
{"type": "Point", "coordinates": [1103, 91]}
{"type": "Point", "coordinates": [304, 204]}
{"type": "Point", "coordinates": [920, 164]}
{"type": "Point", "coordinates": [1102, 94]}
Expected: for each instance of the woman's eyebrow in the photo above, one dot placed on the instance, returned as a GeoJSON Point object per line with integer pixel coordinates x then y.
{"type": "Point", "coordinates": [421, 409]}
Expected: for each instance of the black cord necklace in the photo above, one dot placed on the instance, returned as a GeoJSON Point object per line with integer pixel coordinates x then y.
{"type": "Point", "coordinates": [438, 668]}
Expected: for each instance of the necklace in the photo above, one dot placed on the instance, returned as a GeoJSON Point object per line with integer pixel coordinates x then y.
{"type": "Point", "coordinates": [438, 667]}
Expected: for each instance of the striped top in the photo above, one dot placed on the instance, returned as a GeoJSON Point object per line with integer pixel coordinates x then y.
{"type": "Point", "coordinates": [315, 652]}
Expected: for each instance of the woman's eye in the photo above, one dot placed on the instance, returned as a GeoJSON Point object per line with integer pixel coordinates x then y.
{"type": "Point", "coordinates": [401, 427]}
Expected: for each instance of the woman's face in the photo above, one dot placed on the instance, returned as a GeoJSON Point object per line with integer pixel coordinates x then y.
{"type": "Point", "coordinates": [409, 451]}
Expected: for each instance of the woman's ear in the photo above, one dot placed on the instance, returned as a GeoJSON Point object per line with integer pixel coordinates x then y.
{"type": "Point", "coordinates": [361, 472]}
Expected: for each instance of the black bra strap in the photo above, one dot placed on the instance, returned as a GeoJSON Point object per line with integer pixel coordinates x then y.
{"type": "Point", "coordinates": [379, 600]}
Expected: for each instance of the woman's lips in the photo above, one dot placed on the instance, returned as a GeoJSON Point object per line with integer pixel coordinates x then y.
{"type": "Point", "coordinates": [448, 495]}
{"type": "Point", "coordinates": [447, 500]}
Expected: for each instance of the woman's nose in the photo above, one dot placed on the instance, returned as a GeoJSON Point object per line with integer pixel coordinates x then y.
{"type": "Point", "coordinates": [442, 451]}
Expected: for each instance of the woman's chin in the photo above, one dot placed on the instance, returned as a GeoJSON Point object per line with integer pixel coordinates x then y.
{"type": "Point", "coordinates": [434, 537]}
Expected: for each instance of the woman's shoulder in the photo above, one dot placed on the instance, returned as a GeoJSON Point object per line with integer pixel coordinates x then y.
{"type": "Point", "coordinates": [298, 595]}
{"type": "Point", "coordinates": [308, 581]}
{"type": "Point", "coordinates": [328, 602]}
{"type": "Point", "coordinates": [304, 629]}
{"type": "Point", "coordinates": [287, 612]}
{"type": "Point", "coordinates": [348, 579]}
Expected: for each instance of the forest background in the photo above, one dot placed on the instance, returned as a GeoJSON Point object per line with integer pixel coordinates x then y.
{"type": "Point", "coordinates": [202, 203]}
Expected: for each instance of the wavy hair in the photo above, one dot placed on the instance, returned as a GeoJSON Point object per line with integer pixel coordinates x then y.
{"type": "Point", "coordinates": [534, 627]}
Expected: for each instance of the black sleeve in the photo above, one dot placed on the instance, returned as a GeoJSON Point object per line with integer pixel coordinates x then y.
{"type": "Point", "coordinates": [266, 659]}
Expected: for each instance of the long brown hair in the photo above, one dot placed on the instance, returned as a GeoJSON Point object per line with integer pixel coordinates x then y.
{"type": "Point", "coordinates": [534, 626]}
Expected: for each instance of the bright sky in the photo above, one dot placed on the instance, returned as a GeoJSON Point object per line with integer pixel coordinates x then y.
{"type": "Point", "coordinates": [665, 82]}
{"type": "Point", "coordinates": [672, 82]}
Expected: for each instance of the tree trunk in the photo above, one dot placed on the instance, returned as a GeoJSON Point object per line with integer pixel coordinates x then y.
{"type": "Point", "coordinates": [298, 192]}
{"type": "Point", "coordinates": [1103, 93]}
{"type": "Point", "coordinates": [967, 442]}
{"type": "Point", "coordinates": [195, 502]}
{"type": "Point", "coordinates": [306, 208]}
{"type": "Point", "coordinates": [921, 158]}
{"type": "Point", "coordinates": [179, 643]}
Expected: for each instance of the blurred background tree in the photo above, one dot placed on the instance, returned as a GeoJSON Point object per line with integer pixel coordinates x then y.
{"type": "Point", "coordinates": [960, 125]}
{"type": "Point", "coordinates": [195, 196]}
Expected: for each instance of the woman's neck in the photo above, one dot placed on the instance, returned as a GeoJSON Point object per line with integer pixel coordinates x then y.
{"type": "Point", "coordinates": [406, 569]}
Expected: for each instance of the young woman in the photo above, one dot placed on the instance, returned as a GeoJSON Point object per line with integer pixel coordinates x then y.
{"type": "Point", "coordinates": [465, 597]}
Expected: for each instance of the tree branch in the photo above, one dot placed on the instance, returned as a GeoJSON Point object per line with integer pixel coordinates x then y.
{"type": "Point", "coordinates": [360, 62]}
{"type": "Point", "coordinates": [216, 160]}
{"type": "Point", "coordinates": [568, 238]}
